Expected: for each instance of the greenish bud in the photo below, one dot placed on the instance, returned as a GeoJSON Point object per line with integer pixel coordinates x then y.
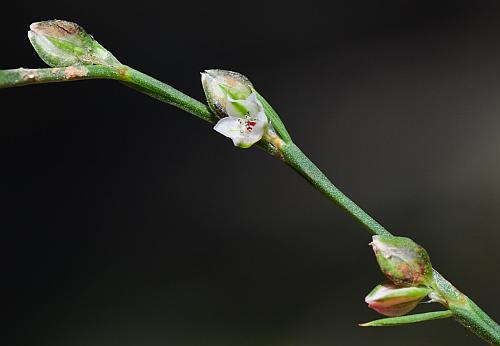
{"type": "Point", "coordinates": [402, 260]}
{"type": "Point", "coordinates": [60, 43]}
{"type": "Point", "coordinates": [391, 300]}
{"type": "Point", "coordinates": [222, 88]}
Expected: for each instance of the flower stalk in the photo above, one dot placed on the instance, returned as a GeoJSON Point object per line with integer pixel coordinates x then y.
{"type": "Point", "coordinates": [89, 60]}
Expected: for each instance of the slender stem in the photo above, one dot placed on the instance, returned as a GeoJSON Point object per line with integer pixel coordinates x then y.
{"type": "Point", "coordinates": [25, 76]}
{"type": "Point", "coordinates": [467, 312]}
{"type": "Point", "coordinates": [464, 309]}
{"type": "Point", "coordinates": [125, 74]}
{"type": "Point", "coordinates": [476, 320]}
{"type": "Point", "coordinates": [165, 93]}
{"type": "Point", "coordinates": [295, 158]}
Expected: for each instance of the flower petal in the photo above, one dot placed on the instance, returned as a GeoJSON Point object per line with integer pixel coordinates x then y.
{"type": "Point", "coordinates": [246, 123]}
{"type": "Point", "coordinates": [229, 127]}
{"type": "Point", "coordinates": [239, 130]}
{"type": "Point", "coordinates": [240, 108]}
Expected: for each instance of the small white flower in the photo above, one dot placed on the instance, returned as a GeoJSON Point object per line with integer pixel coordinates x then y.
{"type": "Point", "coordinates": [231, 96]}
{"type": "Point", "coordinates": [244, 129]}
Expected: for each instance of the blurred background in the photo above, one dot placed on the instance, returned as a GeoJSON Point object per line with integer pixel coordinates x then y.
{"type": "Point", "coordinates": [129, 222]}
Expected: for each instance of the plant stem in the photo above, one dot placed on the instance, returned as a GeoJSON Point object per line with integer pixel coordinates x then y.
{"type": "Point", "coordinates": [464, 309]}
{"type": "Point", "coordinates": [125, 74]}
{"type": "Point", "coordinates": [165, 93]}
{"type": "Point", "coordinates": [130, 77]}
{"type": "Point", "coordinates": [296, 159]}
{"type": "Point", "coordinates": [467, 312]}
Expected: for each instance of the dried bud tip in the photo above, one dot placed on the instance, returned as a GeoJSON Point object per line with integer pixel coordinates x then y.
{"type": "Point", "coordinates": [61, 43]}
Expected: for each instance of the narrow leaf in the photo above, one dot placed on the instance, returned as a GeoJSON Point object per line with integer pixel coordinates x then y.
{"type": "Point", "coordinates": [278, 125]}
{"type": "Point", "coordinates": [396, 321]}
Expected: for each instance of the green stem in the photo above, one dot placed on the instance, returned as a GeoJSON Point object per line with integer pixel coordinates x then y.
{"type": "Point", "coordinates": [165, 93]}
{"type": "Point", "coordinates": [24, 76]}
{"type": "Point", "coordinates": [130, 77]}
{"type": "Point", "coordinates": [476, 320]}
{"type": "Point", "coordinates": [467, 312]}
{"type": "Point", "coordinates": [295, 158]}
{"type": "Point", "coordinates": [125, 74]}
{"type": "Point", "coordinates": [464, 310]}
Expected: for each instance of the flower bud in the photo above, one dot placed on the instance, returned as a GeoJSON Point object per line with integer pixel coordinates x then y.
{"type": "Point", "coordinates": [403, 261]}
{"type": "Point", "coordinates": [222, 88]}
{"type": "Point", "coordinates": [391, 300]}
{"type": "Point", "coordinates": [231, 97]}
{"type": "Point", "coordinates": [60, 43]}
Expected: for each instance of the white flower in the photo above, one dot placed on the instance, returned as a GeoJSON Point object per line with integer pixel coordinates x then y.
{"type": "Point", "coordinates": [244, 128]}
{"type": "Point", "coordinates": [231, 96]}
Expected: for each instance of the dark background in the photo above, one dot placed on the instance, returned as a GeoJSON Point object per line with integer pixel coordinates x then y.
{"type": "Point", "coordinates": [130, 222]}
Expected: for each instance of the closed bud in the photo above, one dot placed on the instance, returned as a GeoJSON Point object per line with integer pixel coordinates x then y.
{"type": "Point", "coordinates": [60, 43]}
{"type": "Point", "coordinates": [231, 97]}
{"type": "Point", "coordinates": [391, 300]}
{"type": "Point", "coordinates": [403, 261]}
{"type": "Point", "coordinates": [222, 88]}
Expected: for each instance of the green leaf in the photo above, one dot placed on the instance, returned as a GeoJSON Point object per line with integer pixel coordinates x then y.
{"type": "Point", "coordinates": [278, 125]}
{"type": "Point", "coordinates": [401, 320]}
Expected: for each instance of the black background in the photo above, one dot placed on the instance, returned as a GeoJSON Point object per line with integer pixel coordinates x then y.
{"type": "Point", "coordinates": [130, 222]}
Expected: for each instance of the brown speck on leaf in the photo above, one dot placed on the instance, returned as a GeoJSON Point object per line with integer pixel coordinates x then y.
{"type": "Point", "coordinates": [28, 74]}
{"type": "Point", "coordinates": [231, 81]}
{"type": "Point", "coordinates": [74, 72]}
{"type": "Point", "coordinates": [122, 70]}
{"type": "Point", "coordinates": [278, 143]}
